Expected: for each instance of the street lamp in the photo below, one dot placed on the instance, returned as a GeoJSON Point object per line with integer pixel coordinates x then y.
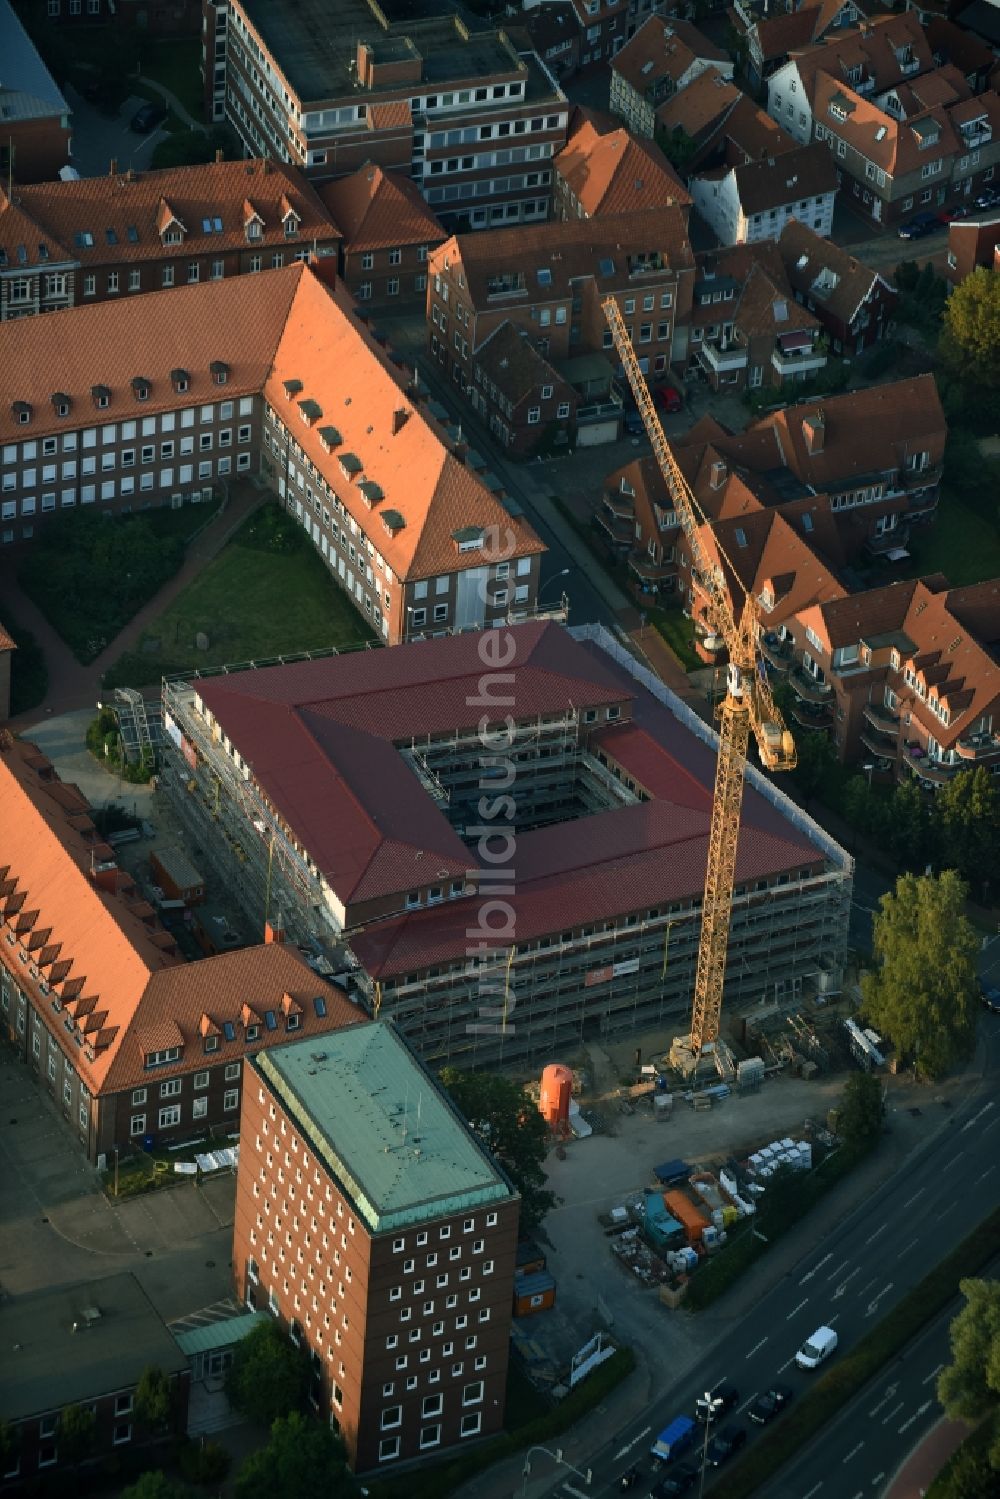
{"type": "Point", "coordinates": [711, 1405]}
{"type": "Point", "coordinates": [554, 578]}
{"type": "Point", "coordinates": [557, 1457]}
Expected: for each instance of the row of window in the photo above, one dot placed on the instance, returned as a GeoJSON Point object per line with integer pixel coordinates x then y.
{"type": "Point", "coordinates": [124, 488]}
{"type": "Point", "coordinates": [430, 1436]}
{"type": "Point", "coordinates": [127, 431]}
{"type": "Point", "coordinates": [170, 1116]}
{"type": "Point", "coordinates": [174, 1085]}
{"type": "Point", "coordinates": [124, 457]}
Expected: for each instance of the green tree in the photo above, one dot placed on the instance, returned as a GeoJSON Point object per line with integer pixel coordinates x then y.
{"type": "Point", "coordinates": [817, 766]}
{"type": "Point", "coordinates": [923, 992]}
{"type": "Point", "coordinates": [969, 1387]}
{"type": "Point", "coordinates": [155, 1485]}
{"type": "Point", "coordinates": [862, 1112]}
{"type": "Point", "coordinates": [511, 1127]}
{"type": "Point", "coordinates": [77, 1431]}
{"type": "Point", "coordinates": [908, 829]}
{"type": "Point", "coordinates": [678, 147]}
{"type": "Point", "coordinates": [970, 338]}
{"type": "Point", "coordinates": [154, 1398]}
{"type": "Point", "coordinates": [304, 1457]}
{"type": "Point", "coordinates": [967, 824]}
{"type": "Point", "coordinates": [269, 1376]}
{"type": "Point", "coordinates": [906, 275]}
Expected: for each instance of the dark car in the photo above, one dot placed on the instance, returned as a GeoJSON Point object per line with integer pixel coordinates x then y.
{"type": "Point", "coordinates": [960, 211]}
{"type": "Point", "coordinates": [770, 1404]}
{"type": "Point", "coordinates": [632, 420]}
{"type": "Point", "coordinates": [668, 398]}
{"type": "Point", "coordinates": [677, 1481]}
{"type": "Point", "coordinates": [726, 1445]}
{"type": "Point", "coordinates": [988, 198]}
{"type": "Point", "coordinates": [148, 116]}
{"type": "Point", "coordinates": [630, 1478]}
{"type": "Point", "coordinates": [918, 226]}
{"type": "Point", "coordinates": [990, 996]}
{"type": "Point", "coordinates": [728, 1394]}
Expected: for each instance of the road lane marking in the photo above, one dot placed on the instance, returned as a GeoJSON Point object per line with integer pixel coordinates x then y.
{"type": "Point", "coordinates": [911, 1200]}
{"type": "Point", "coordinates": [880, 1230]}
{"type": "Point", "coordinates": [629, 1445]}
{"type": "Point", "coordinates": [784, 1367]}
{"type": "Point", "coordinates": [577, 1493]}
{"type": "Point", "coordinates": [867, 1285]}
{"type": "Point", "coordinates": [878, 1479]}
{"type": "Point", "coordinates": [873, 1304]}
{"type": "Point", "coordinates": [814, 1490]}
{"type": "Point", "coordinates": [741, 1408]}
{"type": "Point", "coordinates": [797, 1310]}
{"type": "Point", "coordinates": [893, 1413]}
{"type": "Point", "coordinates": [834, 1273]}
{"type": "Point", "coordinates": [831, 1320]}
{"type": "Point", "coordinates": [816, 1269]}
{"type": "Point", "coordinates": [906, 1249]}
{"type": "Point", "coordinates": [756, 1347]}
{"type": "Point", "coordinates": [845, 1283]}
{"type": "Point", "coordinates": [982, 1177]}
{"type": "Point", "coordinates": [933, 1374]}
{"type": "Point", "coordinates": [854, 1452]}
{"type": "Point", "coordinates": [890, 1391]}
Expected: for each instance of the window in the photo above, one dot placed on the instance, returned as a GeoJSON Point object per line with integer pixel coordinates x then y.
{"type": "Point", "coordinates": [388, 1448]}
{"type": "Point", "coordinates": [199, 1109]}
{"type": "Point", "coordinates": [430, 1436]}
{"type": "Point", "coordinates": [139, 1096]}
{"type": "Point", "coordinates": [170, 1089]}
{"type": "Point", "coordinates": [534, 415]}
{"type": "Point", "coordinates": [138, 1125]}
{"type": "Point", "coordinates": [170, 1116]}
{"type": "Point", "coordinates": [432, 1405]}
{"type": "Point", "coordinates": [231, 1099]}
{"type": "Point", "coordinates": [392, 1417]}
{"type": "Point", "coordinates": [232, 1070]}
{"type": "Point", "coordinates": [471, 1424]}
{"type": "Point", "coordinates": [200, 1081]}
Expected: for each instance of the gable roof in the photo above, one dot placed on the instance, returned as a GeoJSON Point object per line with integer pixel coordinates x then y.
{"type": "Point", "coordinates": [795, 176]}
{"type": "Point", "coordinates": [377, 210]}
{"type": "Point", "coordinates": [897, 146]}
{"type": "Point", "coordinates": [824, 272]}
{"type": "Point", "coordinates": [873, 47]}
{"type": "Point", "coordinates": [615, 172]}
{"type": "Point", "coordinates": [665, 47]}
{"type": "Point", "coordinates": [511, 361]}
{"type": "Point", "coordinates": [749, 133]}
{"type": "Point", "coordinates": [701, 106]}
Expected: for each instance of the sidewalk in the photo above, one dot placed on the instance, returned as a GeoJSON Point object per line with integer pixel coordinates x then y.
{"type": "Point", "coordinates": [926, 1461]}
{"type": "Point", "coordinates": [73, 685]}
{"type": "Point", "coordinates": [173, 103]}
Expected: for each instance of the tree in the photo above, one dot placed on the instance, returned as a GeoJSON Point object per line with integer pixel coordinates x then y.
{"type": "Point", "coordinates": [908, 824]}
{"type": "Point", "coordinates": [155, 1485]}
{"type": "Point", "coordinates": [511, 1127]}
{"type": "Point", "coordinates": [269, 1377]}
{"type": "Point", "coordinates": [77, 1430]}
{"type": "Point", "coordinates": [970, 338]}
{"type": "Point", "coordinates": [304, 1457]}
{"type": "Point", "coordinates": [862, 1111]}
{"type": "Point", "coordinates": [923, 992]}
{"type": "Point", "coordinates": [967, 823]}
{"type": "Point", "coordinates": [969, 1387]}
{"type": "Point", "coordinates": [817, 763]}
{"type": "Point", "coordinates": [154, 1398]}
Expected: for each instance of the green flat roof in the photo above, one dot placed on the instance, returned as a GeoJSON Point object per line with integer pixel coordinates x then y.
{"type": "Point", "coordinates": [383, 1126]}
{"type": "Point", "coordinates": [220, 1334]}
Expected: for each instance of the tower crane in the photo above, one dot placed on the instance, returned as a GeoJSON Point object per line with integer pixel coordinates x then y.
{"type": "Point", "coordinates": [748, 705]}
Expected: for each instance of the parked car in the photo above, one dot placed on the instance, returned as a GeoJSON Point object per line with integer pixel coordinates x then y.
{"type": "Point", "coordinates": [989, 198]}
{"type": "Point", "coordinates": [728, 1394]}
{"type": "Point", "coordinates": [816, 1348]}
{"type": "Point", "coordinates": [770, 1404]}
{"type": "Point", "coordinates": [668, 398]}
{"type": "Point", "coordinates": [990, 995]}
{"type": "Point", "coordinates": [632, 420]}
{"type": "Point", "coordinates": [726, 1445]}
{"type": "Point", "coordinates": [148, 116]}
{"type": "Point", "coordinates": [960, 211]}
{"type": "Point", "coordinates": [676, 1482]}
{"type": "Point", "coordinates": [918, 226]}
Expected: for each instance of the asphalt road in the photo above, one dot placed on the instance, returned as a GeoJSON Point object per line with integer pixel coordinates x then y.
{"type": "Point", "coordinates": [878, 1253]}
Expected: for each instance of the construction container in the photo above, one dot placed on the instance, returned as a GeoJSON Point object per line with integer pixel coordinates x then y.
{"type": "Point", "coordinates": [534, 1293]}
{"type": "Point", "coordinates": [663, 1106]}
{"type": "Point", "coordinates": [683, 1209]}
{"type": "Point", "coordinates": [661, 1227]}
{"type": "Point", "coordinates": [528, 1258]}
{"type": "Point", "coordinates": [176, 875]}
{"type": "Point", "coordinates": [213, 932]}
{"type": "Point", "coordinates": [556, 1095]}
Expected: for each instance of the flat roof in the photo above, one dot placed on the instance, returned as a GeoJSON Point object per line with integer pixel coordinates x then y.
{"type": "Point", "coordinates": [383, 1127]}
{"type": "Point", "coordinates": [68, 1345]}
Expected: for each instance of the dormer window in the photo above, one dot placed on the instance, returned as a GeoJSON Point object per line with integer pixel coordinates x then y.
{"type": "Point", "coordinates": [61, 403]}
{"type": "Point", "coordinates": [254, 228]}
{"type": "Point", "coordinates": [219, 371]}
{"type": "Point", "coordinates": [172, 235]}
{"type": "Point", "coordinates": [291, 222]}
{"type": "Point", "coordinates": [291, 388]}
{"type": "Point", "coordinates": [23, 412]}
{"type": "Point", "coordinates": [180, 380]}
{"type": "Point", "coordinates": [101, 396]}
{"type": "Point", "coordinates": [310, 411]}
{"type": "Point", "coordinates": [141, 388]}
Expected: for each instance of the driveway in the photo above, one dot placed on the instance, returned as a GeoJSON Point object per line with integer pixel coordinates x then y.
{"type": "Point", "coordinates": [99, 139]}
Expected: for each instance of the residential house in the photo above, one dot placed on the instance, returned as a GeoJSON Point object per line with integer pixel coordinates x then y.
{"type": "Point", "coordinates": [752, 202]}
{"type": "Point", "coordinates": [747, 330]}
{"type": "Point", "coordinates": [274, 376]}
{"type": "Point", "coordinates": [953, 44]}
{"type": "Point", "coordinates": [332, 84]}
{"type": "Point", "coordinates": [410, 1334]}
{"type": "Point", "coordinates": [551, 281]}
{"type": "Point", "coordinates": [907, 676]}
{"type": "Point", "coordinates": [663, 57]}
{"type": "Point", "coordinates": [852, 302]}
{"type": "Point", "coordinates": [901, 154]}
{"type": "Point", "coordinates": [973, 242]}
{"type": "Point", "coordinates": [94, 239]}
{"type": "Point", "coordinates": [553, 31]}
{"type": "Point", "coordinates": [523, 399]}
{"type": "Point", "coordinates": [388, 233]}
{"type": "Point", "coordinates": [687, 122]}
{"type": "Point", "coordinates": [83, 1345]}
{"type": "Point", "coordinates": [639, 525]}
{"type": "Point", "coordinates": [771, 36]}
{"type": "Point", "coordinates": [871, 59]}
{"type": "Point", "coordinates": [36, 135]}
{"type": "Point", "coordinates": [612, 172]}
{"type": "Point", "coordinates": [981, 19]}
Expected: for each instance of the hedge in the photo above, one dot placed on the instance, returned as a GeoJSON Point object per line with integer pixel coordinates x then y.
{"type": "Point", "coordinates": [835, 1388]}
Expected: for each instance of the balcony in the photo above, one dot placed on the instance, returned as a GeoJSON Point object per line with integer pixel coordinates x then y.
{"type": "Point", "coordinates": [794, 362]}
{"type": "Point", "coordinates": [873, 741]}
{"type": "Point", "coordinates": [777, 652]}
{"type": "Point", "coordinates": [811, 715]}
{"type": "Point", "coordinates": [882, 719]}
{"type": "Point", "coordinates": [887, 541]}
{"type": "Point", "coordinates": [620, 505]}
{"type": "Point", "coordinates": [979, 747]}
{"type": "Point", "coordinates": [721, 357]}
{"type": "Point", "coordinates": [599, 411]}
{"type": "Point", "coordinates": [808, 689]}
{"type": "Point", "coordinates": [621, 532]}
{"type": "Point", "coordinates": [930, 771]}
{"type": "Point", "coordinates": [648, 571]}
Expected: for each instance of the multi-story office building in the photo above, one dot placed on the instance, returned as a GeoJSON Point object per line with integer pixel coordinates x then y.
{"type": "Point", "coordinates": [97, 239]}
{"type": "Point", "coordinates": [386, 853]}
{"type": "Point", "coordinates": [332, 84]}
{"type": "Point", "coordinates": [158, 400]}
{"type": "Point", "coordinates": [373, 1224]}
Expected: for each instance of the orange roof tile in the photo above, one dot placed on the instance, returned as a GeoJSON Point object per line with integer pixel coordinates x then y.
{"type": "Point", "coordinates": [831, 277]}
{"type": "Point", "coordinates": [615, 172]}
{"type": "Point", "coordinates": [665, 47]}
{"type": "Point", "coordinates": [393, 114]}
{"type": "Point", "coordinates": [701, 106]}
{"type": "Point", "coordinates": [377, 210]}
{"type": "Point", "coordinates": [7, 641]}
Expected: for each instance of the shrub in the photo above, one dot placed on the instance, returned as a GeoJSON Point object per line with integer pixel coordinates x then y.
{"type": "Point", "coordinates": [203, 1462]}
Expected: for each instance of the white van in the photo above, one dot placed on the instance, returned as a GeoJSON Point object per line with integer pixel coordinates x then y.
{"type": "Point", "coordinates": [817, 1348]}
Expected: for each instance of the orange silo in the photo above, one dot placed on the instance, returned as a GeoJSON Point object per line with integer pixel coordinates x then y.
{"type": "Point", "coordinates": [557, 1090]}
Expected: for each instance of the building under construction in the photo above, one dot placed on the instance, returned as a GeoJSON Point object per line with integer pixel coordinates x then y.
{"type": "Point", "coordinates": [497, 839]}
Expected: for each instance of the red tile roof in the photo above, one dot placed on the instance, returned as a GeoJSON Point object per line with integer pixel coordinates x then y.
{"type": "Point", "coordinates": [7, 641]}
{"type": "Point", "coordinates": [665, 47]}
{"type": "Point", "coordinates": [379, 210]}
{"type": "Point", "coordinates": [615, 172]}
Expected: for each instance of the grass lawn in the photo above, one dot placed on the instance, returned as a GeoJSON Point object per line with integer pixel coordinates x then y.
{"type": "Point", "coordinates": [175, 62]}
{"type": "Point", "coordinates": [961, 543]}
{"type": "Point", "coordinates": [268, 593]}
{"type": "Point", "coordinates": [678, 631]}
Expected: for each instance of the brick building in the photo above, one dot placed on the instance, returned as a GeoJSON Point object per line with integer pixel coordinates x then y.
{"type": "Point", "coordinates": [398, 860]}
{"type": "Point", "coordinates": [264, 375]}
{"type": "Point", "coordinates": [612, 172]}
{"type": "Point", "coordinates": [332, 84]}
{"type": "Point", "coordinates": [661, 59]}
{"type": "Point", "coordinates": [372, 1223]}
{"type": "Point", "coordinates": [100, 238]}
{"type": "Point", "coordinates": [522, 397]}
{"type": "Point", "coordinates": [388, 232]}
{"type": "Point", "coordinates": [972, 243]}
{"type": "Point", "coordinates": [852, 302]}
{"type": "Point", "coordinates": [754, 200]}
{"type": "Point", "coordinates": [133, 1043]}
{"type": "Point", "coordinates": [84, 1345]}
{"type": "Point", "coordinates": [36, 133]}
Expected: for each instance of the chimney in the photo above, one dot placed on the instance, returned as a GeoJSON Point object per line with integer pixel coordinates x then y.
{"type": "Point", "coordinates": [113, 167]}
{"type": "Point", "coordinates": [813, 430]}
{"type": "Point", "coordinates": [718, 473]}
{"type": "Point", "coordinates": [399, 419]}
{"type": "Point", "coordinates": [274, 929]}
{"type": "Point", "coordinates": [219, 156]}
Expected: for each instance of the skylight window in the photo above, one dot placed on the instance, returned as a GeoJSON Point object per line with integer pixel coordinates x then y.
{"type": "Point", "coordinates": [111, 236]}
{"type": "Point", "coordinates": [741, 537]}
{"type": "Point", "coordinates": [802, 262]}
{"type": "Point", "coordinates": [229, 1030]}
{"type": "Point", "coordinates": [545, 276]}
{"type": "Point", "coordinates": [133, 234]}
{"type": "Point", "coordinates": [881, 133]}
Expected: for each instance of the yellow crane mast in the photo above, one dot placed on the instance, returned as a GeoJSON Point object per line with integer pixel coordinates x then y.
{"type": "Point", "coordinates": [748, 705]}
